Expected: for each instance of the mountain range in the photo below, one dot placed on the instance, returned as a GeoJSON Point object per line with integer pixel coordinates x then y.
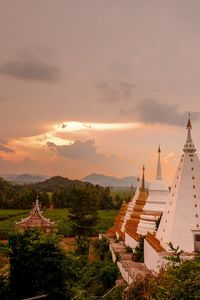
{"type": "Point", "coordinates": [93, 178]}
{"type": "Point", "coordinates": [24, 178]}
{"type": "Point", "coordinates": [105, 180]}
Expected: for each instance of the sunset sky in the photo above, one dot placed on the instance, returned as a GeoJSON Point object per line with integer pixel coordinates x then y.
{"type": "Point", "coordinates": [95, 85]}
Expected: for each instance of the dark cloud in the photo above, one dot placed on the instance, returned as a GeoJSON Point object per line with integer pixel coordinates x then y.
{"type": "Point", "coordinates": [86, 151]}
{"type": "Point", "coordinates": [114, 91]}
{"type": "Point", "coordinates": [152, 111]}
{"type": "Point", "coordinates": [3, 148]}
{"type": "Point", "coordinates": [80, 151]}
{"type": "Point", "coordinates": [31, 70]}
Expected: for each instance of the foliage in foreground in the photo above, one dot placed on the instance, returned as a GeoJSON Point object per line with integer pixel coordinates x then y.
{"type": "Point", "coordinates": [39, 266]}
{"type": "Point", "coordinates": [181, 282]}
{"type": "Point", "coordinates": [98, 276]}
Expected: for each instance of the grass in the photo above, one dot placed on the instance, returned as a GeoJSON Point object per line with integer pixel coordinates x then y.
{"type": "Point", "coordinates": [62, 223]}
{"type": "Point", "coordinates": [8, 219]}
{"type": "Point", "coordinates": [106, 218]}
{"type": "Point", "coordinates": [60, 217]}
{"type": "Point", "coordinates": [12, 212]}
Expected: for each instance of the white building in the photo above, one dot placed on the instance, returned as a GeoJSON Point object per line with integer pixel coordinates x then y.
{"type": "Point", "coordinates": [132, 238]}
{"type": "Point", "coordinates": [180, 223]}
{"type": "Point", "coordinates": [155, 203]}
{"type": "Point", "coordinates": [130, 205]}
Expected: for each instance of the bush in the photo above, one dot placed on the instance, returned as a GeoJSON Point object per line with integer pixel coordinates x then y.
{"type": "Point", "coordinates": [180, 282]}
{"type": "Point", "coordinates": [139, 251]}
{"type": "Point", "coordinates": [101, 248]}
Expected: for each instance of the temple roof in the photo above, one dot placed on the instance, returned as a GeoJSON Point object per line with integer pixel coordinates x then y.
{"type": "Point", "coordinates": [36, 213]}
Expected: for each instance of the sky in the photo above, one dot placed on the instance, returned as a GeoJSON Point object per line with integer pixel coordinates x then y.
{"type": "Point", "coordinates": [96, 85]}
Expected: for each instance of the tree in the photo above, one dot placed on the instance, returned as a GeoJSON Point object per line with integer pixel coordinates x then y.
{"type": "Point", "coordinates": [39, 266]}
{"type": "Point", "coordinates": [101, 248]}
{"type": "Point", "coordinates": [105, 198]}
{"type": "Point", "coordinates": [117, 201]}
{"type": "Point", "coordinates": [83, 214]}
{"type": "Point", "coordinates": [4, 289]}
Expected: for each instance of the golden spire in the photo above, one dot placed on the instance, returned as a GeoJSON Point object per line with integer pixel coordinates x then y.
{"type": "Point", "coordinates": [143, 186]}
{"type": "Point", "coordinates": [159, 149]}
{"type": "Point", "coordinates": [159, 172]}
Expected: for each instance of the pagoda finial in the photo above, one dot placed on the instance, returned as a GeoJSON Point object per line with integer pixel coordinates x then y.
{"type": "Point", "coordinates": [138, 182]}
{"type": "Point", "coordinates": [189, 126]}
{"type": "Point", "coordinates": [189, 146]}
{"type": "Point", "coordinates": [37, 201]}
{"type": "Point", "coordinates": [143, 185]}
{"type": "Point", "coordinates": [159, 171]}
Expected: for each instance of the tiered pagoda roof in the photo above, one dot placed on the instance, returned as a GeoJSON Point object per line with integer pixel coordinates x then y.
{"type": "Point", "coordinates": [131, 205]}
{"type": "Point", "coordinates": [36, 220]}
{"type": "Point", "coordinates": [132, 223]}
{"type": "Point", "coordinates": [119, 219]}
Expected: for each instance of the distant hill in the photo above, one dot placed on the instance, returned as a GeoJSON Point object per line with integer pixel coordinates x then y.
{"type": "Point", "coordinates": [56, 182]}
{"type": "Point", "coordinates": [105, 180]}
{"type": "Point", "coordinates": [24, 178]}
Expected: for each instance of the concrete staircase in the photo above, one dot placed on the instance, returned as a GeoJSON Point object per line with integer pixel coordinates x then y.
{"type": "Point", "coordinates": [127, 267]}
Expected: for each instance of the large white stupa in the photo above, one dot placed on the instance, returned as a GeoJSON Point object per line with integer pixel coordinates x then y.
{"type": "Point", "coordinates": [155, 203]}
{"type": "Point", "coordinates": [180, 223]}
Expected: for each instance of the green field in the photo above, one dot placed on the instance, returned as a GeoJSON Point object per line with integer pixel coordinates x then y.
{"type": "Point", "coordinates": [8, 219]}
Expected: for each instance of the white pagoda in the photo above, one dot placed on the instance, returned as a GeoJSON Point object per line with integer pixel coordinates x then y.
{"type": "Point", "coordinates": [155, 203]}
{"type": "Point", "coordinates": [132, 238]}
{"type": "Point", "coordinates": [180, 223]}
{"type": "Point", "coordinates": [130, 205]}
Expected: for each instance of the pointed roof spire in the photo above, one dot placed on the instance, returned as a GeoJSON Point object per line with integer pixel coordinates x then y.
{"type": "Point", "coordinates": [37, 205]}
{"type": "Point", "coordinates": [189, 122]}
{"type": "Point", "coordinates": [189, 146]}
{"type": "Point", "coordinates": [143, 185]}
{"type": "Point", "coordinates": [159, 171]}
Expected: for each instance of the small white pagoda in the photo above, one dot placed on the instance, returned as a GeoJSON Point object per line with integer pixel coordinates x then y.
{"type": "Point", "coordinates": [36, 220]}
{"type": "Point", "coordinates": [132, 238]}
{"type": "Point", "coordinates": [180, 223]}
{"type": "Point", "coordinates": [130, 205]}
{"type": "Point", "coordinates": [155, 203]}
